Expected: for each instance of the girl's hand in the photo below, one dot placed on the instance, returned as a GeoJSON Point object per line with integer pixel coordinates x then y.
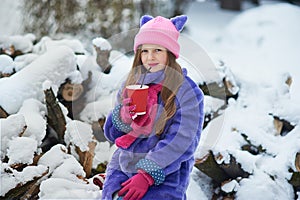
{"type": "Point", "coordinates": [127, 111]}
{"type": "Point", "coordinates": [136, 187]}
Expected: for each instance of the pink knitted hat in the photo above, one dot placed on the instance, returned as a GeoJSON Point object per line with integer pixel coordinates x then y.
{"type": "Point", "coordinates": [160, 31]}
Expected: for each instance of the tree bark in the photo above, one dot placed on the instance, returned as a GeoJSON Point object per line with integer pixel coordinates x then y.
{"type": "Point", "coordinates": [103, 59]}
{"type": "Point", "coordinates": [71, 92]}
{"type": "Point", "coordinates": [282, 126]}
{"type": "Point", "coordinates": [297, 161]}
{"type": "Point", "coordinates": [3, 113]}
{"type": "Point", "coordinates": [231, 4]}
{"type": "Point", "coordinates": [74, 105]}
{"type": "Point", "coordinates": [295, 179]}
{"type": "Point", "coordinates": [234, 169]}
{"type": "Point", "coordinates": [98, 131]}
{"type": "Point", "coordinates": [86, 158]}
{"type": "Point", "coordinates": [210, 167]}
{"type": "Point", "coordinates": [28, 190]}
{"type": "Point", "coordinates": [55, 116]}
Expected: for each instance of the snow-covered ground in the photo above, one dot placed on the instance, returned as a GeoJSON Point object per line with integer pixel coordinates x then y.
{"type": "Point", "coordinates": [259, 45]}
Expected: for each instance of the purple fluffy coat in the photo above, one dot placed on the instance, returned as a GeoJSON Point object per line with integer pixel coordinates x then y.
{"type": "Point", "coordinates": [173, 151]}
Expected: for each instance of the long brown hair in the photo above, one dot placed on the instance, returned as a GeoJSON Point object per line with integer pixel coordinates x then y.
{"type": "Point", "coordinates": [172, 81]}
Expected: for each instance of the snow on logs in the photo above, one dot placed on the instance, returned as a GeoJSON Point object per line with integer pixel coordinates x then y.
{"type": "Point", "coordinates": [295, 179]}
{"type": "Point", "coordinates": [228, 175]}
{"type": "Point", "coordinates": [54, 66]}
{"type": "Point", "coordinates": [103, 49]}
{"type": "Point", "coordinates": [79, 138]}
{"type": "Point", "coordinates": [222, 84]}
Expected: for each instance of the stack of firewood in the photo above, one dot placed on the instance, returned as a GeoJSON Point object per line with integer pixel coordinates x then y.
{"type": "Point", "coordinates": [213, 163]}
{"type": "Point", "coordinates": [72, 96]}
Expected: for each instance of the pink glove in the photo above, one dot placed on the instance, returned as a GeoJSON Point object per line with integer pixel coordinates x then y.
{"type": "Point", "coordinates": [127, 111]}
{"type": "Point", "coordinates": [136, 187]}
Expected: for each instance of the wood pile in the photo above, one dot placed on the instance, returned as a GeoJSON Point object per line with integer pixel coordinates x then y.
{"type": "Point", "coordinates": [72, 96]}
{"type": "Point", "coordinates": [222, 173]}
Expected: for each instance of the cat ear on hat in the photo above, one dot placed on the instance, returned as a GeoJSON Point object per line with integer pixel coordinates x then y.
{"type": "Point", "coordinates": [179, 21]}
{"type": "Point", "coordinates": [144, 19]}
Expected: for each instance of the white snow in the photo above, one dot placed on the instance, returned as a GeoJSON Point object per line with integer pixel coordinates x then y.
{"type": "Point", "coordinates": [55, 65]}
{"type": "Point", "coordinates": [102, 43]}
{"type": "Point", "coordinates": [19, 42]}
{"type": "Point", "coordinates": [34, 113]}
{"type": "Point", "coordinates": [6, 64]}
{"type": "Point", "coordinates": [230, 186]}
{"type": "Point", "coordinates": [18, 154]}
{"type": "Point", "coordinates": [103, 153]}
{"type": "Point", "coordinates": [67, 190]}
{"type": "Point", "coordinates": [11, 127]}
{"type": "Point", "coordinates": [79, 134]}
{"type": "Point", "coordinates": [256, 49]}
{"type": "Point", "coordinates": [14, 177]}
{"type": "Point", "coordinates": [65, 171]}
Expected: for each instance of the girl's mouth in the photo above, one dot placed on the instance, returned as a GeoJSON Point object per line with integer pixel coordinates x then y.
{"type": "Point", "coordinates": [152, 64]}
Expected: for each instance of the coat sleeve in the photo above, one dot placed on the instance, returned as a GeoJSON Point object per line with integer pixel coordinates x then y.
{"type": "Point", "coordinates": [110, 131]}
{"type": "Point", "coordinates": [114, 127]}
{"type": "Point", "coordinates": [182, 134]}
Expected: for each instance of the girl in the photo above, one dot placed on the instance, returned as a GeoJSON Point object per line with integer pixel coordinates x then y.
{"type": "Point", "coordinates": [155, 151]}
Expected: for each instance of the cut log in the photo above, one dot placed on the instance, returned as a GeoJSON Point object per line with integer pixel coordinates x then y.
{"type": "Point", "coordinates": [210, 116]}
{"type": "Point", "coordinates": [3, 113]}
{"type": "Point", "coordinates": [28, 190]}
{"type": "Point", "coordinates": [289, 81]}
{"type": "Point", "coordinates": [73, 96]}
{"type": "Point", "coordinates": [210, 167]}
{"type": "Point", "coordinates": [71, 92]}
{"type": "Point", "coordinates": [3, 75]}
{"type": "Point", "coordinates": [34, 189]}
{"type": "Point", "coordinates": [278, 125]}
{"type": "Point", "coordinates": [229, 87]}
{"type": "Point", "coordinates": [103, 59]}
{"type": "Point", "coordinates": [55, 116]}
{"type": "Point", "coordinates": [295, 179]}
{"type": "Point", "coordinates": [231, 4]}
{"type": "Point", "coordinates": [221, 91]}
{"type": "Point", "coordinates": [97, 128]}
{"type": "Point", "coordinates": [297, 162]}
{"type": "Point", "coordinates": [11, 51]}
{"type": "Point", "coordinates": [214, 90]}
{"type": "Point", "coordinates": [20, 166]}
{"type": "Point", "coordinates": [86, 158]}
{"type": "Point", "coordinates": [233, 169]}
{"type": "Point", "coordinates": [255, 150]}
{"type": "Point", "coordinates": [282, 126]}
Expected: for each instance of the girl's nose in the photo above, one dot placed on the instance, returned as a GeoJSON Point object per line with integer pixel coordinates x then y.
{"type": "Point", "coordinates": [150, 55]}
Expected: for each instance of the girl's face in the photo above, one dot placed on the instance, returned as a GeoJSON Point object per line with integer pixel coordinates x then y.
{"type": "Point", "coordinates": [154, 56]}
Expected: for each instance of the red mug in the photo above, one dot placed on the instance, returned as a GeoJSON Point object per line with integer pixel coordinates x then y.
{"type": "Point", "coordinates": [139, 96]}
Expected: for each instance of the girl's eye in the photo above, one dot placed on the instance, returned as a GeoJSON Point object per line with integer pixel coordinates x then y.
{"type": "Point", "coordinates": [144, 51]}
{"type": "Point", "coordinates": [158, 50]}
